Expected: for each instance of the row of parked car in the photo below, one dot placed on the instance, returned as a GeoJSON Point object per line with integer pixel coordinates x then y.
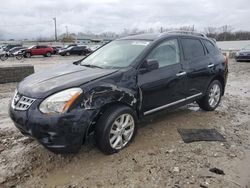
{"type": "Point", "coordinates": [45, 50]}
{"type": "Point", "coordinates": [243, 54]}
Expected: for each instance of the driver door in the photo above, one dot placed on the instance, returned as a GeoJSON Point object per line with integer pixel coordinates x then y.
{"type": "Point", "coordinates": [165, 86]}
{"type": "Point", "coordinates": [35, 50]}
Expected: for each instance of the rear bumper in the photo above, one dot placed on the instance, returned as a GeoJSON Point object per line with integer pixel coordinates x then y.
{"type": "Point", "coordinates": [58, 133]}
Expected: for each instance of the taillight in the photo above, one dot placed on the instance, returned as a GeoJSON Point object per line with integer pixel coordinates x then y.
{"type": "Point", "coordinates": [226, 60]}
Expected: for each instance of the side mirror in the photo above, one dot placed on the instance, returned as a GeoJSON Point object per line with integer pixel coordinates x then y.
{"type": "Point", "coordinates": [149, 65]}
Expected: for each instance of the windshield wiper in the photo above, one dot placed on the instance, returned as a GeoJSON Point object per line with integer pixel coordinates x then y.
{"type": "Point", "coordinates": [91, 66]}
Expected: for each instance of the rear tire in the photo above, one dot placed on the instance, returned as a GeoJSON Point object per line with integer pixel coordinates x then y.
{"type": "Point", "coordinates": [212, 97]}
{"type": "Point", "coordinates": [28, 55]}
{"type": "Point", "coordinates": [115, 129]}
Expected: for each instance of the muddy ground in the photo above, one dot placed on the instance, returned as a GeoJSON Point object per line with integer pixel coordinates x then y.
{"type": "Point", "coordinates": [157, 158]}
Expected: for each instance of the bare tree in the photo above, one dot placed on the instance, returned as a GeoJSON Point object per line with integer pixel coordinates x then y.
{"type": "Point", "coordinates": [210, 30]}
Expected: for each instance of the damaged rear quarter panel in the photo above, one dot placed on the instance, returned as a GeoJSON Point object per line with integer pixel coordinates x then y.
{"type": "Point", "coordinates": [120, 87]}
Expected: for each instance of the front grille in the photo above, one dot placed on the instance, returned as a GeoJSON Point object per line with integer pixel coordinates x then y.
{"type": "Point", "coordinates": [21, 102]}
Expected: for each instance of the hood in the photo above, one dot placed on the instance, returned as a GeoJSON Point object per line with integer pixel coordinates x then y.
{"type": "Point", "coordinates": [44, 83]}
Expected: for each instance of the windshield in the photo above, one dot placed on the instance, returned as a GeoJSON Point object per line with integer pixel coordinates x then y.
{"type": "Point", "coordinates": [117, 54]}
{"type": "Point", "coordinates": [69, 48]}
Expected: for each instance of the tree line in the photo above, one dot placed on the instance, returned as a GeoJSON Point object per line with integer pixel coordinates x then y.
{"type": "Point", "coordinates": [226, 33]}
{"type": "Point", "coordinates": [222, 33]}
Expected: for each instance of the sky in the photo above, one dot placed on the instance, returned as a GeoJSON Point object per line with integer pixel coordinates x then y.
{"type": "Point", "coordinates": [31, 19]}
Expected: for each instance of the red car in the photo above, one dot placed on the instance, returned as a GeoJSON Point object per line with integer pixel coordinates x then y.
{"type": "Point", "coordinates": [39, 50]}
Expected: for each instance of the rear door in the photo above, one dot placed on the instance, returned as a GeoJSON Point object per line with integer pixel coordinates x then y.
{"type": "Point", "coordinates": [196, 62]}
{"type": "Point", "coordinates": [44, 50]}
{"type": "Point", "coordinates": [74, 50]}
{"type": "Point", "coordinates": [165, 86]}
{"type": "Point", "coordinates": [80, 50]}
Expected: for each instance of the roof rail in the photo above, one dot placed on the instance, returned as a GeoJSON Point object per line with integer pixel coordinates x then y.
{"type": "Point", "coordinates": [188, 32]}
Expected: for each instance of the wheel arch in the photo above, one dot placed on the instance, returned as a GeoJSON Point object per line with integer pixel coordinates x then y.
{"type": "Point", "coordinates": [101, 96]}
{"type": "Point", "coordinates": [91, 126]}
{"type": "Point", "coordinates": [221, 79]}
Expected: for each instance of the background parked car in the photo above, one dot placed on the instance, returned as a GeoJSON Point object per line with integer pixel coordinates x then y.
{"type": "Point", "coordinates": [17, 49]}
{"type": "Point", "coordinates": [39, 50]}
{"type": "Point", "coordinates": [56, 49]}
{"type": "Point", "coordinates": [10, 46]}
{"type": "Point", "coordinates": [75, 50]}
{"type": "Point", "coordinates": [243, 54]}
{"type": "Point", "coordinates": [94, 48]}
{"type": "Point", "coordinates": [1, 48]}
{"type": "Point", "coordinates": [17, 52]}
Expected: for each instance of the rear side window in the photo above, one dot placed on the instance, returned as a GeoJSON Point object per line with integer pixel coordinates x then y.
{"type": "Point", "coordinates": [211, 48]}
{"type": "Point", "coordinates": [192, 48]}
{"type": "Point", "coordinates": [40, 47]}
{"type": "Point", "coordinates": [167, 53]}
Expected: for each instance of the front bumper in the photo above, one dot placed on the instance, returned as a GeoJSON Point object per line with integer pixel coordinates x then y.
{"type": "Point", "coordinates": [59, 133]}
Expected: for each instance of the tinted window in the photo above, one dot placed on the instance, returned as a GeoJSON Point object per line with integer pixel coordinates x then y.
{"type": "Point", "coordinates": [40, 47]}
{"type": "Point", "coordinates": [167, 53]}
{"type": "Point", "coordinates": [192, 48]}
{"type": "Point", "coordinates": [211, 48]}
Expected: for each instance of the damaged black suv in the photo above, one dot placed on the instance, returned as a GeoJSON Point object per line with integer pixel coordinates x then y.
{"type": "Point", "coordinates": [108, 91]}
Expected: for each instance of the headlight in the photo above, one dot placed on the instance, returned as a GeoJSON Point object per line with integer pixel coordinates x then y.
{"type": "Point", "coordinates": [60, 102]}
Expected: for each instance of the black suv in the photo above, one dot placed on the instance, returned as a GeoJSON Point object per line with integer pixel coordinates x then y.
{"type": "Point", "coordinates": [108, 91]}
{"type": "Point", "coordinates": [74, 50]}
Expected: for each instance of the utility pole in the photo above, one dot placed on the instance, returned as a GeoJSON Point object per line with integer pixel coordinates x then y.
{"type": "Point", "coordinates": [67, 32]}
{"type": "Point", "coordinates": [161, 29]}
{"type": "Point", "coordinates": [55, 29]}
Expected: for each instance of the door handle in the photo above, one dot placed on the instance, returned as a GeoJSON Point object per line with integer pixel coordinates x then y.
{"type": "Point", "coordinates": [210, 65]}
{"type": "Point", "coordinates": [181, 74]}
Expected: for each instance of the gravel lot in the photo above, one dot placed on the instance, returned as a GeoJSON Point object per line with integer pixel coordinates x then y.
{"type": "Point", "coordinates": [157, 158]}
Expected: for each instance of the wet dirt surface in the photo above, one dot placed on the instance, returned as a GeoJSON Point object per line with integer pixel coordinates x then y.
{"type": "Point", "coordinates": [157, 157]}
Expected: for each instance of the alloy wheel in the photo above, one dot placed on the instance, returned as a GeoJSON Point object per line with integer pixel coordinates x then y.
{"type": "Point", "coordinates": [214, 95]}
{"type": "Point", "coordinates": [121, 131]}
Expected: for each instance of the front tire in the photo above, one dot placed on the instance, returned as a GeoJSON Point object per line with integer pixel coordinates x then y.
{"type": "Point", "coordinates": [48, 54]}
{"type": "Point", "coordinates": [115, 129]}
{"type": "Point", "coordinates": [212, 97]}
